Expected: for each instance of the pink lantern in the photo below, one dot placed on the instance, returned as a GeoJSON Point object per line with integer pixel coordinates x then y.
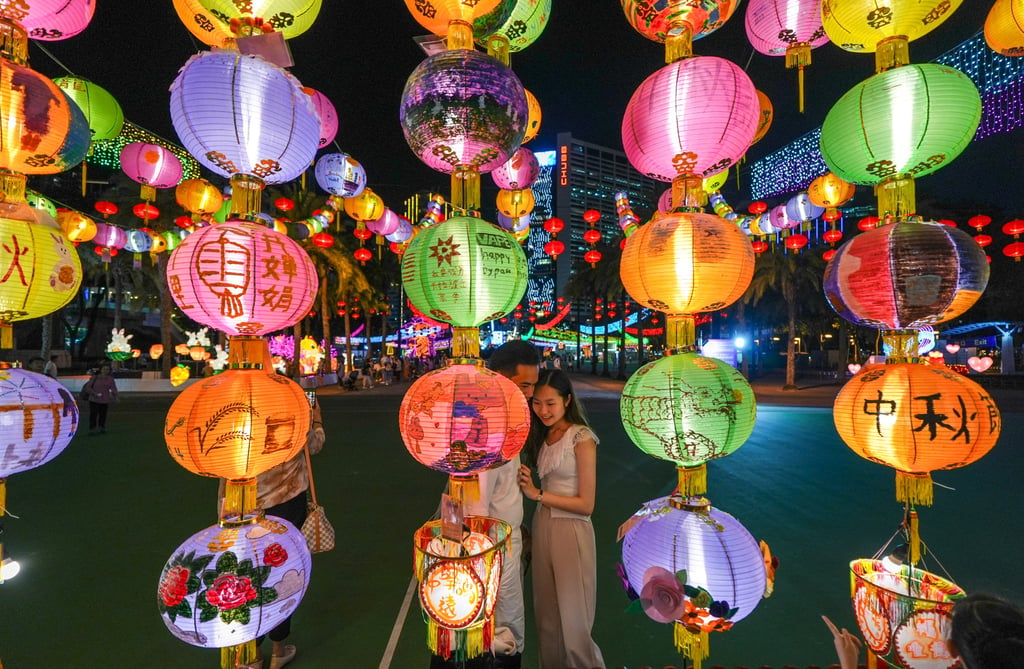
{"type": "Point", "coordinates": [110, 236]}
{"type": "Point", "coordinates": [39, 418]}
{"type": "Point", "coordinates": [521, 171]}
{"type": "Point", "coordinates": [696, 116]}
{"type": "Point", "coordinates": [328, 116]}
{"type": "Point", "coordinates": [774, 27]}
{"type": "Point", "coordinates": [52, 20]}
{"type": "Point", "coordinates": [151, 165]}
{"type": "Point", "coordinates": [665, 201]}
{"type": "Point", "coordinates": [242, 115]}
{"type": "Point", "coordinates": [779, 218]}
{"type": "Point", "coordinates": [387, 224]}
{"type": "Point", "coordinates": [242, 278]}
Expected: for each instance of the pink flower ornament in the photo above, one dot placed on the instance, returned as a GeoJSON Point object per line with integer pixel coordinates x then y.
{"type": "Point", "coordinates": [662, 597]}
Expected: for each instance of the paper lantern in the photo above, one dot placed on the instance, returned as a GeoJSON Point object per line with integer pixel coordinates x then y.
{"type": "Point", "coordinates": [327, 114]}
{"type": "Point", "coordinates": [138, 241]}
{"type": "Point", "coordinates": [533, 117]}
{"type": "Point", "coordinates": [52, 20]}
{"type": "Point", "coordinates": [461, 107]}
{"type": "Point", "coordinates": [799, 208]}
{"type": "Point", "coordinates": [828, 190]}
{"type": "Point", "coordinates": [905, 275]}
{"type": "Point", "coordinates": [211, 20]}
{"type": "Point", "coordinates": [100, 108]}
{"type": "Point", "coordinates": [110, 236]}
{"type": "Point", "coordinates": [78, 139]}
{"type": "Point", "coordinates": [486, 16]}
{"type": "Point", "coordinates": [554, 248]}
{"type": "Point", "coordinates": [156, 350]}
{"type": "Point", "coordinates": [464, 271]}
{"type": "Point", "coordinates": [367, 206]}
{"type": "Point", "coordinates": [458, 585]}
{"type": "Point", "coordinates": [198, 196]}
{"type": "Point", "coordinates": [832, 236]}
{"type": "Point", "coordinates": [654, 19]}
{"type": "Point", "coordinates": [766, 114]}
{"type": "Point", "coordinates": [171, 241]}
{"type": "Point", "coordinates": [40, 417]}
{"type": "Point", "coordinates": [36, 121]}
{"type": "Point", "coordinates": [240, 277]}
{"type": "Point", "coordinates": [774, 27]}
{"type": "Point", "coordinates": [908, 121]}
{"type": "Point", "coordinates": [693, 116]}
{"type": "Point", "coordinates": [237, 424]}
{"type": "Point", "coordinates": [859, 25]}
{"type": "Point", "coordinates": [521, 171]}
{"type": "Point", "coordinates": [388, 223]}
{"type": "Point", "coordinates": [77, 226]}
{"type": "Point", "coordinates": [40, 271]}
{"type": "Point", "coordinates": [904, 613]}
{"type": "Point", "coordinates": [226, 585]}
{"type": "Point", "coordinates": [688, 409]}
{"type": "Point", "coordinates": [151, 165]}
{"type": "Point", "coordinates": [916, 419]}
{"type": "Point", "coordinates": [515, 203]}
{"type": "Point", "coordinates": [686, 263]}
{"type": "Point", "coordinates": [242, 115]}
{"type": "Point", "coordinates": [723, 564]}
{"type": "Point", "coordinates": [1004, 28]}
{"type": "Point", "coordinates": [523, 26]}
{"type": "Point", "coordinates": [340, 174]}
{"type": "Point", "coordinates": [403, 233]}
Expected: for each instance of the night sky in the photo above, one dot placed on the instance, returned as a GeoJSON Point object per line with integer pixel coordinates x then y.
{"type": "Point", "coordinates": [583, 70]}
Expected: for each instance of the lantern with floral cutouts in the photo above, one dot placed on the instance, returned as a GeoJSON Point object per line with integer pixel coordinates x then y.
{"type": "Point", "coordinates": [231, 583]}
{"type": "Point", "coordinates": [789, 28]}
{"type": "Point", "coordinates": [101, 110]}
{"type": "Point", "coordinates": [693, 565]}
{"type": "Point", "coordinates": [340, 174]}
{"type": "Point", "coordinates": [51, 20]}
{"type": "Point", "coordinates": [242, 278]}
{"type": "Point", "coordinates": [218, 22]}
{"type": "Point", "coordinates": [1004, 28]}
{"type": "Point", "coordinates": [656, 19]}
{"type": "Point", "coordinates": [485, 16]}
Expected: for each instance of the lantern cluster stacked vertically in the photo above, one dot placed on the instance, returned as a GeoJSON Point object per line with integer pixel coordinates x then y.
{"type": "Point", "coordinates": [690, 120]}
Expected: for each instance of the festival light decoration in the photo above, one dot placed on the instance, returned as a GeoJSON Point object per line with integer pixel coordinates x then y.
{"type": "Point", "coordinates": [524, 25]}
{"type": "Point", "coordinates": [520, 172]}
{"type": "Point", "coordinates": [789, 28]}
{"type": "Point", "coordinates": [198, 196]}
{"type": "Point", "coordinates": [485, 17]}
{"type": "Point", "coordinates": [829, 190]}
{"type": "Point", "coordinates": [219, 23]}
{"type": "Point", "coordinates": [40, 417]}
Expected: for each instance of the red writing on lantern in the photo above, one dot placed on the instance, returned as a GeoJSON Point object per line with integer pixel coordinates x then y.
{"type": "Point", "coordinates": [15, 250]}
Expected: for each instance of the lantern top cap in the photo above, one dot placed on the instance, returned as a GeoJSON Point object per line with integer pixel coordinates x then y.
{"type": "Point", "coordinates": [695, 503]}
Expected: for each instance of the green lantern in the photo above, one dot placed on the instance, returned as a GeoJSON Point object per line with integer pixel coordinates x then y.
{"type": "Point", "coordinates": [465, 272]}
{"type": "Point", "coordinates": [688, 409]}
{"type": "Point", "coordinates": [524, 26]}
{"type": "Point", "coordinates": [901, 123]}
{"type": "Point", "coordinates": [40, 201]}
{"type": "Point", "coordinates": [100, 108]}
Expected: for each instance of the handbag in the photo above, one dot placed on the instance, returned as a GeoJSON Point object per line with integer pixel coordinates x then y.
{"type": "Point", "coordinates": [316, 528]}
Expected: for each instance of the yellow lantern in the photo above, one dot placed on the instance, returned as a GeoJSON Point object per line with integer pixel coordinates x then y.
{"type": "Point", "coordinates": [198, 196]}
{"type": "Point", "coordinates": [716, 181]}
{"type": "Point", "coordinates": [76, 225]}
{"type": "Point", "coordinates": [861, 25]}
{"type": "Point", "coordinates": [367, 206]}
{"type": "Point", "coordinates": [829, 190]}
{"type": "Point", "coordinates": [39, 270]}
{"type": "Point", "coordinates": [179, 375]}
{"type": "Point", "coordinates": [533, 117]}
{"type": "Point", "coordinates": [515, 203]}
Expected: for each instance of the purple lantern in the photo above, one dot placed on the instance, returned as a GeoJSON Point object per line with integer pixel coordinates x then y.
{"type": "Point", "coordinates": [242, 115]}
{"type": "Point", "coordinates": [800, 208]}
{"type": "Point", "coordinates": [521, 171]}
{"type": "Point", "coordinates": [387, 224]}
{"type": "Point", "coordinates": [110, 236]}
{"type": "Point", "coordinates": [328, 116]}
{"type": "Point", "coordinates": [340, 174]}
{"type": "Point", "coordinates": [52, 20]}
{"type": "Point", "coordinates": [39, 419]}
{"type": "Point", "coordinates": [151, 165]}
{"type": "Point", "coordinates": [514, 224]}
{"type": "Point", "coordinates": [780, 219]}
{"type": "Point", "coordinates": [461, 107]}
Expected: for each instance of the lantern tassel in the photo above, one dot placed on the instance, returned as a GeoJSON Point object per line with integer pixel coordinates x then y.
{"type": "Point", "coordinates": [694, 647]}
{"type": "Point", "coordinates": [914, 489]}
{"type": "Point", "coordinates": [693, 480]}
{"type": "Point", "coordinates": [459, 645]}
{"type": "Point", "coordinates": [238, 655]}
{"type": "Point", "coordinates": [914, 544]}
{"type": "Point", "coordinates": [464, 489]}
{"type": "Point", "coordinates": [800, 88]}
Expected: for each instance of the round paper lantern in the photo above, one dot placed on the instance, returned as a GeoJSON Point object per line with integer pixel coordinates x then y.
{"type": "Point", "coordinates": [36, 121]}
{"type": "Point", "coordinates": [340, 174]}
{"type": "Point", "coordinates": [832, 236]}
{"type": "Point", "coordinates": [725, 578]}
{"type": "Point", "coordinates": [1004, 28]}
{"type": "Point", "coordinates": [237, 424]}
{"type": "Point", "coordinates": [39, 201]}
{"type": "Point", "coordinates": [240, 277]}
{"type": "Point", "coordinates": [533, 117]}
{"type": "Point", "coordinates": [151, 164]}
{"type": "Point", "coordinates": [211, 20]}
{"type": "Point", "coordinates": [908, 121]}
{"type": "Point", "coordinates": [905, 275]}
{"type": "Point", "coordinates": [41, 271]}
{"type": "Point", "coordinates": [515, 225]}
{"type": "Point", "coordinates": [227, 585]}
{"type": "Point", "coordinates": [367, 206]}
{"type": "Point", "coordinates": [554, 248]}
{"type": "Point", "coordinates": [242, 115]}
{"type": "Point", "coordinates": [403, 233]}
{"type": "Point", "coordinates": [77, 226]}
{"type": "Point", "coordinates": [766, 114]}
{"type": "Point", "coordinates": [101, 110]}
{"type": "Point", "coordinates": [524, 25]}
{"type": "Point", "coordinates": [515, 203]}
{"type": "Point", "coordinates": [759, 246]}
{"type": "Point", "coordinates": [138, 241]}
{"type": "Point", "coordinates": [716, 181]}
{"type": "Point", "coordinates": [521, 171]}
{"type": "Point", "coordinates": [654, 19]}
{"type": "Point", "coordinates": [388, 223]}
{"type": "Point", "coordinates": [859, 25]}
{"type": "Point", "coordinates": [486, 16]}
{"type": "Point", "coordinates": [198, 196]}
{"type": "Point", "coordinates": [693, 116]}
{"type": "Point", "coordinates": [828, 190]}
{"type": "Point", "coordinates": [686, 263]}
{"type": "Point", "coordinates": [40, 417]}
{"type": "Point", "coordinates": [462, 107]}
{"type": "Point", "coordinates": [463, 419]}
{"type": "Point", "coordinates": [916, 419]}
{"type": "Point", "coordinates": [110, 236]}
{"type": "Point", "coordinates": [78, 140]}
{"type": "Point", "coordinates": [464, 271]}
{"type": "Point", "coordinates": [328, 116]}
{"type": "Point", "coordinates": [52, 20]}
{"type": "Point", "coordinates": [554, 225]}
{"type": "Point", "coordinates": [800, 208]}
{"type": "Point", "coordinates": [774, 27]}
{"type": "Point", "coordinates": [904, 613]}
{"type": "Point", "coordinates": [796, 242]}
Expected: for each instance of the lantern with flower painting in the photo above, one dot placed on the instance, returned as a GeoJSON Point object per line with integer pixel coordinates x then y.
{"type": "Point", "coordinates": [485, 16]}
{"type": "Point", "coordinates": [521, 171]}
{"type": "Point", "coordinates": [658, 19]}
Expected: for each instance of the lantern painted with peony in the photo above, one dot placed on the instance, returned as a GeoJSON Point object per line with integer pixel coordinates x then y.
{"type": "Point", "coordinates": [695, 566]}
{"type": "Point", "coordinates": [101, 110]}
{"type": "Point", "coordinates": [218, 22]}
{"type": "Point", "coordinates": [327, 114]}
{"type": "Point", "coordinates": [242, 278]}
{"type": "Point", "coordinates": [485, 16]}
{"type": "Point", "coordinates": [1004, 28]}
{"type": "Point", "coordinates": [916, 419]}
{"type": "Point", "coordinates": [904, 613]}
{"type": "Point", "coordinates": [523, 26]}
{"type": "Point", "coordinates": [861, 25]}
{"type": "Point", "coordinates": [685, 263]}
{"type": "Point", "coordinates": [657, 19]}
{"type": "Point", "coordinates": [242, 115]}
{"type": "Point", "coordinates": [688, 409]}
{"type": "Point", "coordinates": [521, 171]}
{"type": "Point", "coordinates": [52, 20]}
{"type": "Point", "coordinates": [905, 275]}
{"type": "Point", "coordinates": [340, 174]}
{"type": "Point", "coordinates": [42, 271]}
{"type": "Point", "coordinates": [463, 419]}
{"type": "Point", "coordinates": [40, 417]}
{"type": "Point", "coordinates": [789, 28]}
{"type": "Point", "coordinates": [458, 585]}
{"type": "Point", "coordinates": [828, 190]}
{"type": "Point", "coordinates": [231, 583]}
{"type": "Point", "coordinates": [534, 116]}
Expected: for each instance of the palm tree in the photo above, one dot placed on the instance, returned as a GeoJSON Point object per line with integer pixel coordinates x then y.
{"type": "Point", "coordinates": [600, 281]}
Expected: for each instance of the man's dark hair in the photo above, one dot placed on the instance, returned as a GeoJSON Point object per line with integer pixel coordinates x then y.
{"type": "Point", "coordinates": [511, 354]}
{"type": "Point", "coordinates": [31, 360]}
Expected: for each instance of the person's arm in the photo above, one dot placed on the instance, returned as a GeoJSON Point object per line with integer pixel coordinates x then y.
{"type": "Point", "coordinates": [586, 471]}
{"type": "Point", "coordinates": [847, 645]}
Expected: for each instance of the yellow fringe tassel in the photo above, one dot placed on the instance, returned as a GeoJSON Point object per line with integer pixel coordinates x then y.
{"type": "Point", "coordinates": [464, 489]}
{"type": "Point", "coordinates": [693, 480]}
{"type": "Point", "coordinates": [914, 489]}
{"type": "Point", "coordinates": [237, 656]}
{"type": "Point", "coordinates": [694, 647]}
{"type": "Point", "coordinates": [915, 538]}
{"type": "Point", "coordinates": [462, 645]}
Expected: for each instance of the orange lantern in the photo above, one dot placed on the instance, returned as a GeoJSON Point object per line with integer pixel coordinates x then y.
{"type": "Point", "coordinates": [828, 190]}
{"type": "Point", "coordinates": [36, 120]}
{"type": "Point", "coordinates": [197, 353]}
{"type": "Point", "coordinates": [156, 350]}
{"type": "Point", "coordinates": [367, 206]}
{"type": "Point", "coordinates": [515, 203]}
{"type": "Point", "coordinates": [179, 375]}
{"type": "Point", "coordinates": [1004, 28]}
{"type": "Point", "coordinates": [764, 122]}
{"type": "Point", "coordinates": [76, 225]}
{"type": "Point", "coordinates": [198, 196]}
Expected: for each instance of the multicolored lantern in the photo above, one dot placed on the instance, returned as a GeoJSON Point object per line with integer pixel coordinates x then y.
{"type": "Point", "coordinates": [230, 583]}
{"type": "Point", "coordinates": [100, 108]}
{"type": "Point", "coordinates": [485, 16]}
{"type": "Point", "coordinates": [340, 174]}
{"type": "Point", "coordinates": [36, 121]}
{"type": "Point", "coordinates": [242, 278]}
{"type": "Point", "coordinates": [656, 19]}
{"type": "Point", "coordinates": [219, 22]}
{"type": "Point", "coordinates": [521, 171]}
{"type": "Point", "coordinates": [1004, 28]}
{"type": "Point", "coordinates": [861, 25]}
{"type": "Point", "coordinates": [40, 417]}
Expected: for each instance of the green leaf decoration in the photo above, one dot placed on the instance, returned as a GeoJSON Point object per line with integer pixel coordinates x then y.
{"type": "Point", "coordinates": [227, 563]}
{"type": "Point", "coordinates": [245, 568]}
{"type": "Point", "coordinates": [691, 591]}
{"type": "Point", "coordinates": [635, 606]}
{"type": "Point", "coordinates": [261, 574]}
{"type": "Point", "coordinates": [731, 613]}
{"type": "Point", "coordinates": [183, 609]}
{"type": "Point", "coordinates": [209, 611]}
{"type": "Point", "coordinates": [209, 576]}
{"type": "Point", "coordinates": [200, 563]}
{"type": "Point", "coordinates": [192, 584]}
{"type": "Point", "coordinates": [681, 576]}
{"type": "Point", "coordinates": [266, 596]}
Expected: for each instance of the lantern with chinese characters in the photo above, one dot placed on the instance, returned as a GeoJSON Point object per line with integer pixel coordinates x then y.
{"type": "Point", "coordinates": [485, 16]}
{"type": "Point", "coordinates": [916, 419]}
{"type": "Point", "coordinates": [789, 28]}
{"type": "Point", "coordinates": [36, 120]}
{"type": "Point", "coordinates": [101, 110]}
{"type": "Point", "coordinates": [657, 19]}
{"type": "Point", "coordinates": [688, 409]}
{"type": "Point", "coordinates": [242, 278]}
{"type": "Point", "coordinates": [523, 26]}
{"type": "Point", "coordinates": [695, 566]}
{"type": "Point", "coordinates": [1004, 28]}
{"type": "Point", "coordinates": [327, 114]}
{"type": "Point", "coordinates": [828, 190]}
{"type": "Point", "coordinates": [232, 582]}
{"type": "Point", "coordinates": [219, 22]}
{"type": "Point", "coordinates": [52, 20]}
{"type": "Point", "coordinates": [865, 26]}
{"type": "Point", "coordinates": [462, 420]}
{"type": "Point", "coordinates": [905, 275]}
{"type": "Point", "coordinates": [521, 171]}
{"type": "Point", "coordinates": [458, 585]}
{"type": "Point", "coordinates": [904, 613]}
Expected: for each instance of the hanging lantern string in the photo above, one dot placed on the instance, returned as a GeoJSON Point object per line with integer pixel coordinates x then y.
{"type": "Point", "coordinates": [4, 511]}
{"type": "Point", "coordinates": [49, 55]}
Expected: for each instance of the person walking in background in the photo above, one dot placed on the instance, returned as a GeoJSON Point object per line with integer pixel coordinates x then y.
{"type": "Point", "coordinates": [100, 391]}
{"type": "Point", "coordinates": [51, 367]}
{"type": "Point", "coordinates": [37, 365]}
{"type": "Point", "coordinates": [564, 550]}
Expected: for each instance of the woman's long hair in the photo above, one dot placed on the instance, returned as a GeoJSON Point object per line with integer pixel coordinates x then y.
{"type": "Point", "coordinates": [559, 381]}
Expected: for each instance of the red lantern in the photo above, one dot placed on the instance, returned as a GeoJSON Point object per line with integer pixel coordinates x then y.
{"type": "Point", "coordinates": [591, 216]}
{"type": "Point", "coordinates": [759, 246]}
{"type": "Point", "coordinates": [757, 207]}
{"type": "Point", "coordinates": [323, 240]}
{"type": "Point", "coordinates": [1014, 250]}
{"type": "Point", "coordinates": [397, 248]}
{"type": "Point", "coordinates": [796, 242]}
{"type": "Point", "coordinates": [591, 236]}
{"type": "Point", "coordinates": [106, 208]}
{"type": "Point", "coordinates": [592, 257]}
{"type": "Point", "coordinates": [978, 222]}
{"type": "Point", "coordinates": [362, 233]}
{"type": "Point", "coordinates": [554, 225]}
{"type": "Point", "coordinates": [946, 221]}
{"type": "Point", "coordinates": [183, 222]}
{"type": "Point", "coordinates": [831, 215]}
{"type": "Point", "coordinates": [828, 255]}
{"type": "Point", "coordinates": [101, 249]}
{"type": "Point", "coordinates": [1014, 227]}
{"type": "Point", "coordinates": [867, 223]}
{"type": "Point", "coordinates": [832, 236]}
{"type": "Point", "coordinates": [284, 204]}
{"type": "Point", "coordinates": [983, 240]}
{"type": "Point", "coordinates": [362, 255]}
{"type": "Point", "coordinates": [554, 248]}
{"type": "Point", "coordinates": [145, 211]}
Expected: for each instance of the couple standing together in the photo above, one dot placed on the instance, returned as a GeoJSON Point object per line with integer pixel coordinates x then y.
{"type": "Point", "coordinates": [563, 450]}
